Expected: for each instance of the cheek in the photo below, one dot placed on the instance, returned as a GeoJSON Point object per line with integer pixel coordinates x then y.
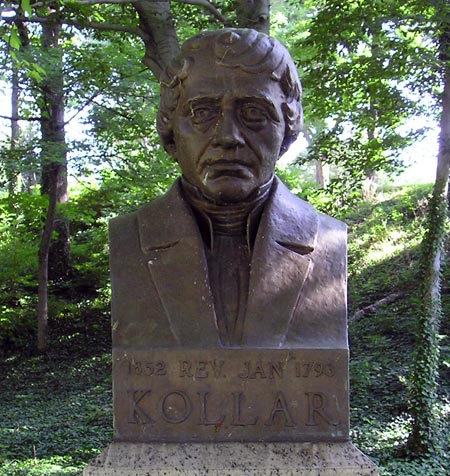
{"type": "Point", "coordinates": [269, 143]}
{"type": "Point", "coordinates": [192, 138]}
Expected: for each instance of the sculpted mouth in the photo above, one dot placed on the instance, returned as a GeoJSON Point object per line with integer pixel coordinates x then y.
{"type": "Point", "coordinates": [227, 168]}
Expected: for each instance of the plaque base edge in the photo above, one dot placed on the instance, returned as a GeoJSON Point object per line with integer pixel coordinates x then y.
{"type": "Point", "coordinates": [231, 459]}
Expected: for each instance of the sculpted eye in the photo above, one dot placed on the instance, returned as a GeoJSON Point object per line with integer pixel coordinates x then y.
{"type": "Point", "coordinates": [253, 114]}
{"type": "Point", "coordinates": [202, 114]}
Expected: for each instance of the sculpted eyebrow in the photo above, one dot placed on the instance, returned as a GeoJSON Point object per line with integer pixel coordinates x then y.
{"type": "Point", "coordinates": [191, 103]}
{"type": "Point", "coordinates": [215, 100]}
{"type": "Point", "coordinates": [267, 103]}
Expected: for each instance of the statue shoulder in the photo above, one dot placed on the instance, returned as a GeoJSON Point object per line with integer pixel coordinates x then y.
{"type": "Point", "coordinates": [330, 223]}
{"type": "Point", "coordinates": [331, 244]}
{"type": "Point", "coordinates": [148, 211]}
{"type": "Point", "coordinates": [122, 225]}
{"type": "Point", "coordinates": [305, 211]}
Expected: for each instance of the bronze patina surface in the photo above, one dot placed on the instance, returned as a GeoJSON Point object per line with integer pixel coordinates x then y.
{"type": "Point", "coordinates": [231, 395]}
{"type": "Point", "coordinates": [229, 256]}
{"type": "Point", "coordinates": [229, 266]}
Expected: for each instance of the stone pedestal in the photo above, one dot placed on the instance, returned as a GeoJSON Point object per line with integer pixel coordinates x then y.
{"type": "Point", "coordinates": [231, 459]}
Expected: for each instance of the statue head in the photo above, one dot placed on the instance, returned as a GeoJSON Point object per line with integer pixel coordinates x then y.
{"type": "Point", "coordinates": [230, 106]}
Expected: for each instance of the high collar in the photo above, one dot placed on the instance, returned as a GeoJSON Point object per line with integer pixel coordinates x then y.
{"type": "Point", "coordinates": [169, 219]}
{"type": "Point", "coordinates": [215, 218]}
{"type": "Point", "coordinates": [280, 263]}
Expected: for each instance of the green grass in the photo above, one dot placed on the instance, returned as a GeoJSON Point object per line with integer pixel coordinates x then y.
{"type": "Point", "coordinates": [384, 249]}
{"type": "Point", "coordinates": [56, 411]}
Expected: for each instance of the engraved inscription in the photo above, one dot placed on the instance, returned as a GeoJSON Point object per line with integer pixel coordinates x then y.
{"type": "Point", "coordinates": [314, 369]}
{"type": "Point", "coordinates": [203, 419]}
{"type": "Point", "coordinates": [201, 369]}
{"type": "Point", "coordinates": [280, 410]}
{"type": "Point", "coordinates": [138, 415]}
{"type": "Point", "coordinates": [175, 407]}
{"type": "Point", "coordinates": [317, 408]}
{"type": "Point", "coordinates": [231, 395]}
{"type": "Point", "coordinates": [147, 368]}
{"type": "Point", "coordinates": [253, 370]}
{"type": "Point", "coordinates": [238, 418]}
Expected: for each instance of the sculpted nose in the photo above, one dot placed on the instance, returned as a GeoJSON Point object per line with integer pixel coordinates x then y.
{"type": "Point", "coordinates": [227, 133]}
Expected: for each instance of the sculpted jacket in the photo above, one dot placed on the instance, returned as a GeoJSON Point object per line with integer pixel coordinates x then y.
{"type": "Point", "coordinates": [160, 290]}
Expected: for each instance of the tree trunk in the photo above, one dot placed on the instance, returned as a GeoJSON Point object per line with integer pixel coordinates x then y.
{"type": "Point", "coordinates": [424, 437]}
{"type": "Point", "coordinates": [54, 150]}
{"type": "Point", "coordinates": [43, 258]}
{"type": "Point", "coordinates": [370, 183]}
{"type": "Point", "coordinates": [161, 41]}
{"type": "Point", "coordinates": [53, 260]}
{"type": "Point", "coordinates": [254, 14]}
{"type": "Point", "coordinates": [161, 44]}
{"type": "Point", "coordinates": [369, 186]}
{"type": "Point", "coordinates": [11, 168]}
{"type": "Point", "coordinates": [322, 174]}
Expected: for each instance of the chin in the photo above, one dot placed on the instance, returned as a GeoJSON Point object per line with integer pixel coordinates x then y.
{"type": "Point", "coordinates": [229, 191]}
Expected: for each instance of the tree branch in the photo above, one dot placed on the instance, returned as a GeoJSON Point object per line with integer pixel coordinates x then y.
{"type": "Point", "coordinates": [95, 2]}
{"type": "Point", "coordinates": [107, 27]}
{"type": "Point", "coordinates": [31, 119]}
{"type": "Point", "coordinates": [89, 101]}
{"type": "Point", "coordinates": [88, 24]}
{"type": "Point", "coordinates": [209, 6]}
{"type": "Point", "coordinates": [202, 3]}
{"type": "Point", "coordinates": [375, 306]}
{"type": "Point", "coordinates": [161, 43]}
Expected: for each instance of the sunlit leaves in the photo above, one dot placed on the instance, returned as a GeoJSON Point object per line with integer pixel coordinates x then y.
{"type": "Point", "coordinates": [14, 40]}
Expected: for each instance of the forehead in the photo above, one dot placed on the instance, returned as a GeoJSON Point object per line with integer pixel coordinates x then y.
{"type": "Point", "coordinates": [210, 79]}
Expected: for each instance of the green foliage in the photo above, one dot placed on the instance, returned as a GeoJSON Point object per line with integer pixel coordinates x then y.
{"type": "Point", "coordinates": [360, 64]}
{"type": "Point", "coordinates": [384, 251]}
{"type": "Point", "coordinates": [426, 436]}
{"type": "Point", "coordinates": [191, 19]}
{"type": "Point", "coordinates": [353, 157]}
{"type": "Point", "coordinates": [298, 179]}
{"type": "Point", "coordinates": [20, 227]}
{"type": "Point", "coordinates": [56, 410]}
{"type": "Point", "coordinates": [59, 421]}
{"type": "Point", "coordinates": [380, 239]}
{"type": "Point", "coordinates": [339, 198]}
{"type": "Point", "coordinates": [425, 467]}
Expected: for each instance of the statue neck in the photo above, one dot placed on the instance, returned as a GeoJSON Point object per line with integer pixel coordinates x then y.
{"type": "Point", "coordinates": [227, 218]}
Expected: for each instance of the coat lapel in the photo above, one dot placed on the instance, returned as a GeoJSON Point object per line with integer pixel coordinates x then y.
{"type": "Point", "coordinates": [171, 241]}
{"type": "Point", "coordinates": [280, 265]}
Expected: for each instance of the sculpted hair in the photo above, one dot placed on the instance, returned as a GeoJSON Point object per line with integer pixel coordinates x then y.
{"type": "Point", "coordinates": [248, 50]}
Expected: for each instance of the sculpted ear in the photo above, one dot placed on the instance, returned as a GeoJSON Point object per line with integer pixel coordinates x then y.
{"type": "Point", "coordinates": [293, 116]}
{"type": "Point", "coordinates": [169, 144]}
{"type": "Point", "coordinates": [165, 131]}
{"type": "Point", "coordinates": [288, 140]}
{"type": "Point", "coordinates": [171, 149]}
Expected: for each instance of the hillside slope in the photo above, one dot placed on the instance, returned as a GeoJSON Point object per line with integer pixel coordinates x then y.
{"type": "Point", "coordinates": [56, 412]}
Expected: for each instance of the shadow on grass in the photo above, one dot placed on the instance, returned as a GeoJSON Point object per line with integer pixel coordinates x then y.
{"type": "Point", "coordinates": [56, 410]}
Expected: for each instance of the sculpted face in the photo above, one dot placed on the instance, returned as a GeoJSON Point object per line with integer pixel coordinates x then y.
{"type": "Point", "coordinates": [228, 130]}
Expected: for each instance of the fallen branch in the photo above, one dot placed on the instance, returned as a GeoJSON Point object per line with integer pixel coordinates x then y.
{"type": "Point", "coordinates": [374, 307]}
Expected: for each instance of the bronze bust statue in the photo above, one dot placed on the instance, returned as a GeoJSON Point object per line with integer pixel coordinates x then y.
{"type": "Point", "coordinates": [229, 257]}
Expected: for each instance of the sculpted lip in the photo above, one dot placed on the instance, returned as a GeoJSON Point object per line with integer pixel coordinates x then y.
{"type": "Point", "coordinates": [235, 168]}
{"type": "Point", "coordinates": [224, 169]}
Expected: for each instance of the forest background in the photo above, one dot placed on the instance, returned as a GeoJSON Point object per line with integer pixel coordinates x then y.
{"type": "Point", "coordinates": [371, 72]}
